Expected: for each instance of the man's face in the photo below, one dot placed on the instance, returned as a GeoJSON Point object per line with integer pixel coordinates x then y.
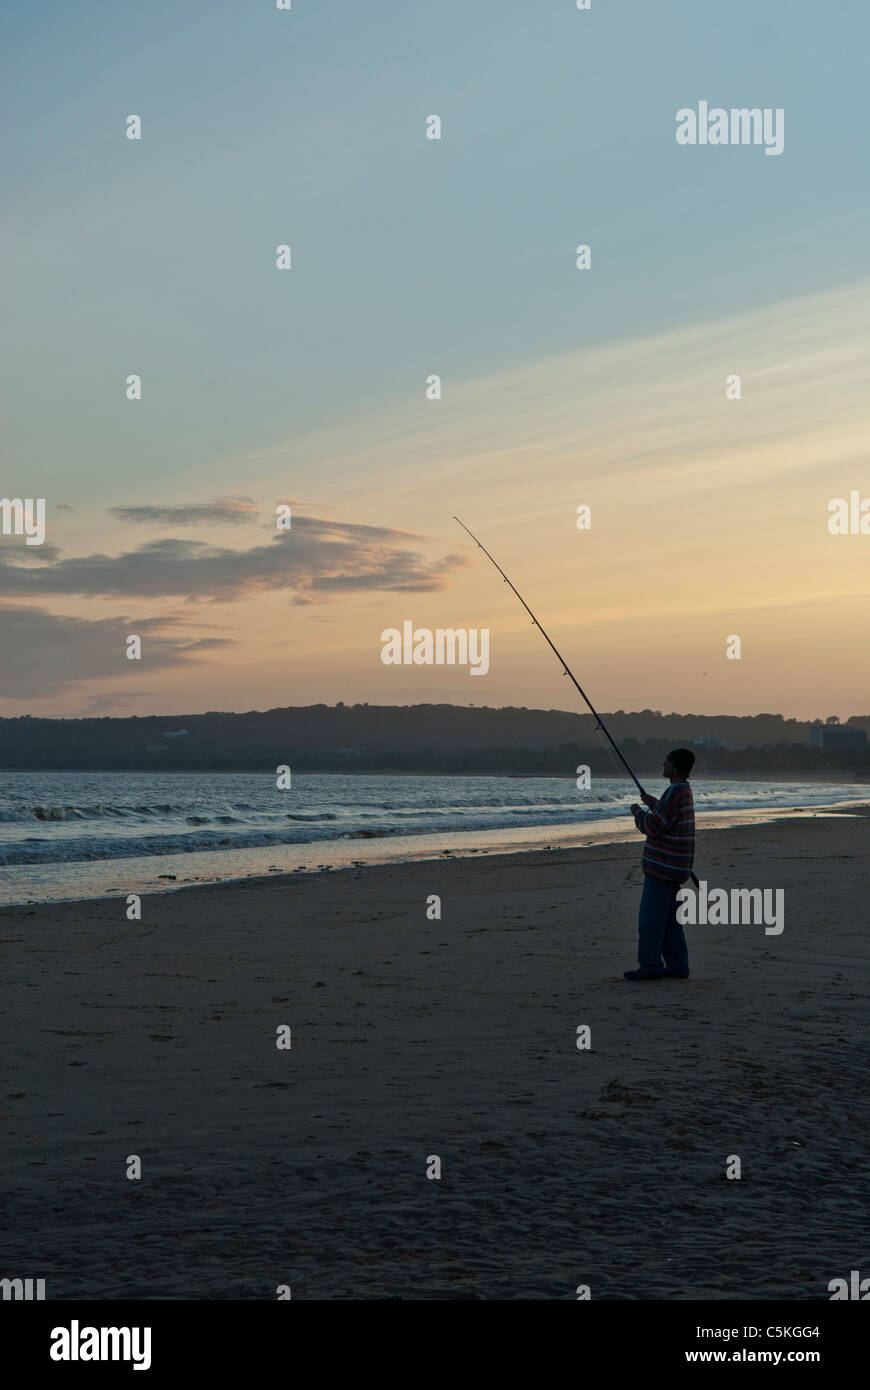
{"type": "Point", "coordinates": [668, 769]}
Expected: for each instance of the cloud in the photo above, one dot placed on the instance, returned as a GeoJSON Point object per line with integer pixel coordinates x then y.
{"type": "Point", "coordinates": [315, 559]}
{"type": "Point", "coordinates": [108, 703]}
{"type": "Point", "coordinates": [219, 509]}
{"type": "Point", "coordinates": [55, 653]}
{"type": "Point", "coordinates": [45, 554]}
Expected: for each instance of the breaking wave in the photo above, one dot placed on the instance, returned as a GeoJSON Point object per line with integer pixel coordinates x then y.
{"type": "Point", "coordinates": [54, 818]}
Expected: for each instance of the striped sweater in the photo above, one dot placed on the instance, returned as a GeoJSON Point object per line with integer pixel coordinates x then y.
{"type": "Point", "coordinates": [670, 834]}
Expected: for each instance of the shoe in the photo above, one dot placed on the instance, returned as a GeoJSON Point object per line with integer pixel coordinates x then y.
{"type": "Point", "coordinates": [639, 975]}
{"type": "Point", "coordinates": [676, 975]}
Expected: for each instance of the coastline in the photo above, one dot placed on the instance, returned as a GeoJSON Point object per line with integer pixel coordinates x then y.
{"type": "Point", "coordinates": [26, 885]}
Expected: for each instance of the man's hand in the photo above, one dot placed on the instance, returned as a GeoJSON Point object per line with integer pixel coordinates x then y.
{"type": "Point", "coordinates": [648, 800]}
{"type": "Point", "coordinates": [635, 808]}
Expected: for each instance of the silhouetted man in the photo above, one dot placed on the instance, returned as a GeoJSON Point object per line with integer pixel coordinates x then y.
{"type": "Point", "coordinates": [669, 826]}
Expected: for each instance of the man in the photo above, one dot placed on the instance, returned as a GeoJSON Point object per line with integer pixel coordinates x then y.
{"type": "Point", "coordinates": [669, 826]}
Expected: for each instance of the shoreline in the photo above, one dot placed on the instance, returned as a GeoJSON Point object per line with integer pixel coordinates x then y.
{"type": "Point", "coordinates": [132, 875]}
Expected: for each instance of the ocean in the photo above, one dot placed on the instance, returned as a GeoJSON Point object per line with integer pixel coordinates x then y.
{"type": "Point", "coordinates": [66, 835]}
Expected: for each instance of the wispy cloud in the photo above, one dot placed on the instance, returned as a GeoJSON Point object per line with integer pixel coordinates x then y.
{"type": "Point", "coordinates": [108, 702]}
{"type": "Point", "coordinates": [55, 653]}
{"type": "Point", "coordinates": [21, 553]}
{"type": "Point", "coordinates": [218, 509]}
{"type": "Point", "coordinates": [315, 559]}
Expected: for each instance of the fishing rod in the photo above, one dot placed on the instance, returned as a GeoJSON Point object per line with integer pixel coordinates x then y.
{"type": "Point", "coordinates": [566, 669]}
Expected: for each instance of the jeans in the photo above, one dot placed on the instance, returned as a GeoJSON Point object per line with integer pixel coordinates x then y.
{"type": "Point", "coordinates": [659, 932]}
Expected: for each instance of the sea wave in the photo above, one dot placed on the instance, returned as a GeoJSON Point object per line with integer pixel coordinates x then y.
{"type": "Point", "coordinates": [70, 818]}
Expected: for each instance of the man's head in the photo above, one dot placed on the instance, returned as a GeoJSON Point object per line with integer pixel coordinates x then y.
{"type": "Point", "coordinates": [678, 764]}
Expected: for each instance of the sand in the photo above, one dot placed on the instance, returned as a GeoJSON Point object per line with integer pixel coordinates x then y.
{"type": "Point", "coordinates": [457, 1038]}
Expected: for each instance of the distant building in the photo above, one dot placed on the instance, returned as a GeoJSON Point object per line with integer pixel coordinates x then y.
{"type": "Point", "coordinates": [176, 733]}
{"type": "Point", "coordinates": [707, 741]}
{"type": "Point", "coordinates": [837, 736]}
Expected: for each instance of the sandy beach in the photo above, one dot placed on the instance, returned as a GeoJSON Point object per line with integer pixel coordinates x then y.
{"type": "Point", "coordinates": [413, 1037]}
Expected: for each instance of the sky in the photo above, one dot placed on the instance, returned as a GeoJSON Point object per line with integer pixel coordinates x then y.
{"type": "Point", "coordinates": [411, 257]}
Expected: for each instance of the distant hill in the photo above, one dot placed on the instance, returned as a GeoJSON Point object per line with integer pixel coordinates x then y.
{"type": "Point", "coordinates": [422, 738]}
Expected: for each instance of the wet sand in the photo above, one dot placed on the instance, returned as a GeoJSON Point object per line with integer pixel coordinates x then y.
{"type": "Point", "coordinates": [414, 1038]}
